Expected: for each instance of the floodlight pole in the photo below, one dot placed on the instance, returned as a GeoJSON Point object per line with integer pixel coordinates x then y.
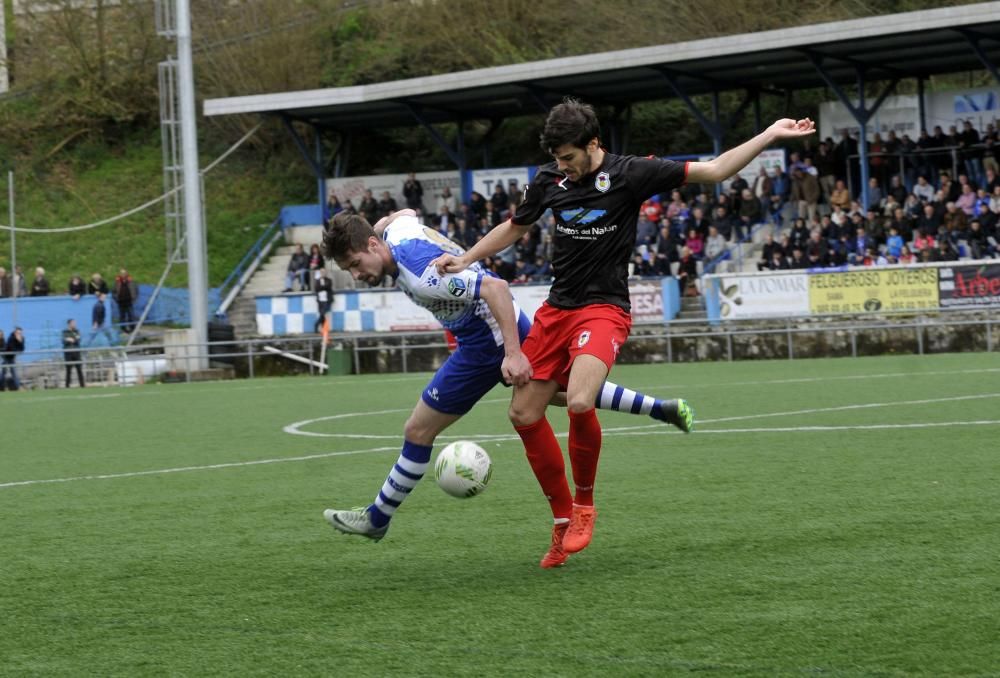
{"type": "Point", "coordinates": [15, 287]}
{"type": "Point", "coordinates": [197, 261]}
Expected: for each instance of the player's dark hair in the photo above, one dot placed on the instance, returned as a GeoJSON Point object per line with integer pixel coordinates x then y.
{"type": "Point", "coordinates": [571, 122]}
{"type": "Point", "coordinates": [346, 233]}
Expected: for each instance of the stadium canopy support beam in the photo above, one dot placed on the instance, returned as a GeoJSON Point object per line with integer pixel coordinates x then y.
{"type": "Point", "coordinates": [456, 154]}
{"type": "Point", "coordinates": [488, 141]}
{"type": "Point", "coordinates": [861, 113]}
{"type": "Point", "coordinates": [315, 164]}
{"type": "Point", "coordinates": [756, 113]}
{"type": "Point", "coordinates": [620, 124]}
{"type": "Point", "coordinates": [974, 38]}
{"type": "Point", "coordinates": [921, 104]}
{"type": "Point", "coordinates": [321, 177]}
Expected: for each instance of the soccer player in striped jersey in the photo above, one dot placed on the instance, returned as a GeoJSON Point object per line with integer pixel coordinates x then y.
{"type": "Point", "coordinates": [477, 307]}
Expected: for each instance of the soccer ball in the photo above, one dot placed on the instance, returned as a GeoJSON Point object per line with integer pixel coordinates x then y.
{"type": "Point", "coordinates": [463, 469]}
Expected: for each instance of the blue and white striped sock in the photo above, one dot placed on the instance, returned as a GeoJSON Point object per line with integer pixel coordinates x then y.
{"type": "Point", "coordinates": [621, 399]}
{"type": "Point", "coordinates": [404, 476]}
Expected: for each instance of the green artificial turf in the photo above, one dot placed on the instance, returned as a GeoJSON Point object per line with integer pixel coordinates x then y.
{"type": "Point", "coordinates": [853, 532]}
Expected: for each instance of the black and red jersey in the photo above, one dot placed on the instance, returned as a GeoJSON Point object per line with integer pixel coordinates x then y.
{"type": "Point", "coordinates": [595, 224]}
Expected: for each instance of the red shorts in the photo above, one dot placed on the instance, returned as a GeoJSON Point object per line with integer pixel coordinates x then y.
{"type": "Point", "coordinates": [558, 336]}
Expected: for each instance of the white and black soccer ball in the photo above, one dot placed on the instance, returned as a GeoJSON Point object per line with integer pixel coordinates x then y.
{"type": "Point", "coordinates": [463, 469]}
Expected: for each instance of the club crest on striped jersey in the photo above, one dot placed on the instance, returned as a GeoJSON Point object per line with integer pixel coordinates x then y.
{"type": "Point", "coordinates": [603, 182]}
{"type": "Point", "coordinates": [584, 338]}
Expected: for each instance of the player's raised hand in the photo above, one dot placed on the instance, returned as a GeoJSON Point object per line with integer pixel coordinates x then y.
{"type": "Point", "coordinates": [516, 369]}
{"type": "Point", "coordinates": [449, 263]}
{"type": "Point", "coordinates": [786, 128]}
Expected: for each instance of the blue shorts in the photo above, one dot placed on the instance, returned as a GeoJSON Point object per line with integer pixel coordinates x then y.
{"type": "Point", "coordinates": [467, 375]}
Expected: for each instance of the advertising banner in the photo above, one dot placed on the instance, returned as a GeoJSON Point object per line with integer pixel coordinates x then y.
{"type": "Point", "coordinates": [758, 296]}
{"type": "Point", "coordinates": [969, 286]}
{"type": "Point", "coordinates": [873, 289]}
{"type": "Point", "coordinates": [513, 179]}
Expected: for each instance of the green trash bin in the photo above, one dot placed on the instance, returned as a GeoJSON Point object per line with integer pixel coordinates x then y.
{"type": "Point", "coordinates": [339, 361]}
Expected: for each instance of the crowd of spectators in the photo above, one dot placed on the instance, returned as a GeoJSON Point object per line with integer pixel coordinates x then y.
{"type": "Point", "coordinates": [936, 198]}
{"type": "Point", "coordinates": [124, 292]}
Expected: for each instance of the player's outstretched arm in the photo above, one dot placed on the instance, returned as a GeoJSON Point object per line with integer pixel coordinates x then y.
{"type": "Point", "coordinates": [515, 367]}
{"type": "Point", "coordinates": [379, 226]}
{"type": "Point", "coordinates": [503, 235]}
{"type": "Point", "coordinates": [735, 159]}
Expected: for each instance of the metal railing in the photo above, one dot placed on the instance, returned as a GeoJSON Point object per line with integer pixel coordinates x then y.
{"type": "Point", "coordinates": [247, 266]}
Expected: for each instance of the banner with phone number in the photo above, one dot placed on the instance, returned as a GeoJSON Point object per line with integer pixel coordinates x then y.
{"type": "Point", "coordinates": [893, 289]}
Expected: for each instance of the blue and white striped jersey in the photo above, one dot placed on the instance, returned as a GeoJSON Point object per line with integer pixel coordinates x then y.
{"type": "Point", "coordinates": [453, 298]}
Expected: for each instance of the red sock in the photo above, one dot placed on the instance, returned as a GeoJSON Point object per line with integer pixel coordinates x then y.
{"type": "Point", "coordinates": [546, 460]}
{"type": "Point", "coordinates": [584, 451]}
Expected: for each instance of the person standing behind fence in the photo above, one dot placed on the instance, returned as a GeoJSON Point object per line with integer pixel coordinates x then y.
{"type": "Point", "coordinates": [126, 293]}
{"type": "Point", "coordinates": [14, 345]}
{"type": "Point", "coordinates": [98, 315]}
{"type": "Point", "coordinates": [71, 352]}
{"type": "Point", "coordinates": [324, 297]}
{"type": "Point", "coordinates": [97, 285]}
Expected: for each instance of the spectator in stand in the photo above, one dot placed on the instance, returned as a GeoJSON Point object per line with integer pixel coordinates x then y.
{"type": "Point", "coordinates": [477, 204]}
{"type": "Point", "coordinates": [922, 241]}
{"type": "Point", "coordinates": [749, 212]}
{"type": "Point", "coordinates": [861, 244]}
{"type": "Point", "coordinates": [781, 189]}
{"type": "Point", "coordinates": [929, 222]}
{"type": "Point", "coordinates": [71, 352]}
{"type": "Point", "coordinates": [761, 189]}
{"type": "Point", "coordinates": [349, 207]}
{"type": "Point", "coordinates": [500, 199]}
{"type": "Point", "coordinates": [324, 297]}
{"type": "Point", "coordinates": [368, 207]}
{"type": "Point", "coordinates": [715, 244]}
{"type": "Point", "coordinates": [923, 189]}
{"type": "Point", "coordinates": [736, 187]}
{"type": "Point", "coordinates": [6, 284]}
{"type": "Point", "coordinates": [387, 204]}
{"type": "Point", "coordinates": [723, 223]}
{"type": "Point", "coordinates": [76, 288]}
{"type": "Point", "coordinates": [315, 260]}
{"type": "Point", "coordinates": [413, 192]}
{"type": "Point", "coordinates": [970, 152]}
{"type": "Point", "coordinates": [840, 197]}
{"type": "Point", "coordinates": [798, 260]}
{"type": "Point", "coordinates": [20, 287]}
{"type": "Point", "coordinates": [333, 205]}
{"type": "Point", "coordinates": [666, 250]}
{"type": "Point", "coordinates": [778, 261]}
{"type": "Point", "coordinates": [897, 191]}
{"type": "Point", "coordinates": [8, 372]}
{"type": "Point", "coordinates": [443, 220]}
{"type": "Point", "coordinates": [492, 215]}
{"type": "Point", "coordinates": [543, 270]}
{"type": "Point", "coordinates": [298, 270]}
{"type": "Point", "coordinates": [954, 222]}
{"type": "Point", "coordinates": [641, 267]}
{"type": "Point", "coordinates": [126, 294]}
{"type": "Point", "coordinates": [695, 243]}
{"type": "Point", "coordinates": [816, 249]}
{"type": "Point", "coordinates": [875, 196]}
{"type": "Point", "coordinates": [698, 222]}
{"type": "Point", "coordinates": [40, 285]}
{"type": "Point", "coordinates": [913, 207]}
{"type": "Point", "coordinates": [894, 243]}
{"type": "Point", "coordinates": [979, 244]}
{"type": "Point", "coordinates": [826, 167]}
{"type": "Point", "coordinates": [652, 211]}
{"type": "Point", "coordinates": [991, 157]}
{"type": "Point", "coordinates": [982, 204]}
{"type": "Point", "coordinates": [97, 285]}
{"type": "Point", "coordinates": [645, 231]}
{"type": "Point", "coordinates": [444, 199]}
{"type": "Point", "coordinates": [767, 252]}
{"type": "Point", "coordinates": [805, 193]}
{"type": "Point", "coordinates": [946, 251]}
{"type": "Point", "coordinates": [906, 256]}
{"type": "Point", "coordinates": [800, 234]}
{"type": "Point", "coordinates": [98, 317]}
{"type": "Point", "coordinates": [967, 200]}
{"type": "Point", "coordinates": [840, 251]}
{"type": "Point", "coordinates": [687, 274]}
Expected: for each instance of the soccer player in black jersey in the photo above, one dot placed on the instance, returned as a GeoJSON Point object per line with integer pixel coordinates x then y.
{"type": "Point", "coordinates": [577, 333]}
